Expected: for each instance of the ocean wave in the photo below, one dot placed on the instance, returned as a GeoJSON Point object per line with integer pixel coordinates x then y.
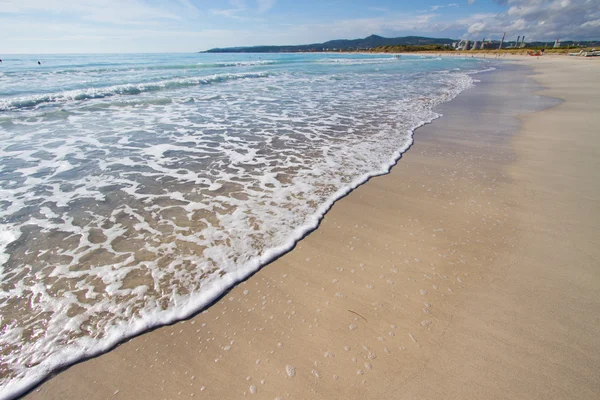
{"type": "Point", "coordinates": [125, 68]}
{"type": "Point", "coordinates": [116, 90]}
{"type": "Point", "coordinates": [357, 61]}
{"type": "Point", "coordinates": [238, 63]}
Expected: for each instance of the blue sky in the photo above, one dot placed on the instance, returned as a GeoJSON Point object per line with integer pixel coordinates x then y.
{"type": "Point", "coordinates": [104, 26]}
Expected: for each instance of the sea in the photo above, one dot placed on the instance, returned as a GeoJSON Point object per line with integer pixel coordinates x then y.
{"type": "Point", "coordinates": [136, 189]}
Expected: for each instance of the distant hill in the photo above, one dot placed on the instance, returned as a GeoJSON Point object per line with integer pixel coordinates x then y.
{"type": "Point", "coordinates": [337, 45]}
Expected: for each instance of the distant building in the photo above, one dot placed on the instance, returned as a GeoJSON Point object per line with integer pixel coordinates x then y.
{"type": "Point", "coordinates": [502, 41]}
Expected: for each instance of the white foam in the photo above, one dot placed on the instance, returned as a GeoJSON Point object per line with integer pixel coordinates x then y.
{"type": "Point", "coordinates": [358, 61]}
{"type": "Point", "coordinates": [8, 235]}
{"type": "Point", "coordinates": [240, 63]}
{"type": "Point", "coordinates": [125, 89]}
{"type": "Point", "coordinates": [183, 200]}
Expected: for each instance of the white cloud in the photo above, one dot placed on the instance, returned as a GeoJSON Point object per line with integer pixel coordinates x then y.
{"type": "Point", "coordinates": [541, 20]}
{"type": "Point", "coordinates": [477, 28]}
{"type": "Point", "coordinates": [239, 6]}
{"type": "Point", "coordinates": [106, 11]}
{"type": "Point", "coordinates": [238, 3]}
{"type": "Point", "coordinates": [176, 25]}
{"type": "Point", "coordinates": [354, 28]}
{"type": "Point", "coordinates": [229, 13]}
{"type": "Point", "coordinates": [189, 6]}
{"type": "Point", "coordinates": [437, 7]}
{"type": "Point", "coordinates": [591, 24]}
{"type": "Point", "coordinates": [265, 5]}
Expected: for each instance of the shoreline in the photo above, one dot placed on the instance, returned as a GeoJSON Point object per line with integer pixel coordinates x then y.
{"type": "Point", "coordinates": [364, 240]}
{"type": "Point", "coordinates": [241, 276]}
{"type": "Point", "coordinates": [533, 332]}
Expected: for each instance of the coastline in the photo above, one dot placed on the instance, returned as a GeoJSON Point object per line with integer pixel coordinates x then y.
{"type": "Point", "coordinates": [398, 234]}
{"type": "Point", "coordinates": [207, 297]}
{"type": "Point", "coordinates": [533, 332]}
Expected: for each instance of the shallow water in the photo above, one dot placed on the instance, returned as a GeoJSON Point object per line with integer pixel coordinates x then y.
{"type": "Point", "coordinates": [135, 189]}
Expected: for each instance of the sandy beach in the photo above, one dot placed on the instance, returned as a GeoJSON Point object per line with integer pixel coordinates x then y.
{"type": "Point", "coordinates": [471, 271]}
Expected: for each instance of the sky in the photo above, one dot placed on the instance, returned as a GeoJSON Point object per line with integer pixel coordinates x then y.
{"type": "Point", "coordinates": [140, 26]}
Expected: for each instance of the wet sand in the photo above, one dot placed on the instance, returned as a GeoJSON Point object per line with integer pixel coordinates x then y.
{"type": "Point", "coordinates": [470, 271]}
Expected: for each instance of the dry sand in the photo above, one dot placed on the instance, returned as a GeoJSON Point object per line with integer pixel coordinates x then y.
{"type": "Point", "coordinates": [471, 271]}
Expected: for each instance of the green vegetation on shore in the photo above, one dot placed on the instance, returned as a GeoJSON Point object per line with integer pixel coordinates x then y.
{"type": "Point", "coordinates": [343, 45]}
{"type": "Point", "coordinates": [407, 44]}
{"type": "Point", "coordinates": [448, 49]}
{"type": "Point", "coordinates": [411, 49]}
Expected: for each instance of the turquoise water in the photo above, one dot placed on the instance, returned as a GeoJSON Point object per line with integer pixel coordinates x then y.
{"type": "Point", "coordinates": [135, 189]}
{"type": "Point", "coordinates": [61, 77]}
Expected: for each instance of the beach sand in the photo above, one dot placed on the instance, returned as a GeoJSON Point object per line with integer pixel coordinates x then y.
{"type": "Point", "coordinates": [470, 271]}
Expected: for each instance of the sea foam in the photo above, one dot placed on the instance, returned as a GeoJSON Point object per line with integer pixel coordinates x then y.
{"type": "Point", "coordinates": [121, 216]}
{"type": "Point", "coordinates": [126, 89]}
